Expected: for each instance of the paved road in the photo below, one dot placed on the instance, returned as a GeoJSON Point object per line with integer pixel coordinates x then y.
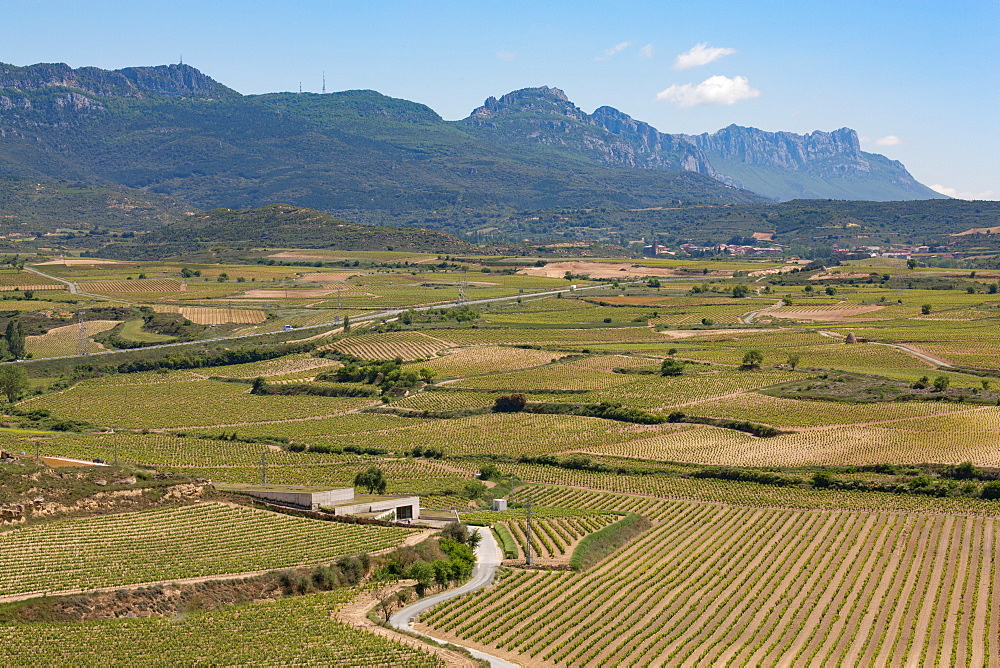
{"type": "Point", "coordinates": [69, 284]}
{"type": "Point", "coordinates": [488, 557]}
{"type": "Point", "coordinates": [748, 318]}
{"type": "Point", "coordinates": [909, 351]}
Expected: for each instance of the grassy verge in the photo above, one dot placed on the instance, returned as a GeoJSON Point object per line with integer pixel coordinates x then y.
{"type": "Point", "coordinates": [507, 542]}
{"type": "Point", "coordinates": [597, 546]}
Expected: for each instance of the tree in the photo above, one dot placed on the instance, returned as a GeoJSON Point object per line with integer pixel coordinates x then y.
{"type": "Point", "coordinates": [489, 472]}
{"type": "Point", "coordinates": [911, 264]}
{"type": "Point", "coordinates": [259, 386]}
{"type": "Point", "coordinates": [740, 290]}
{"type": "Point", "coordinates": [372, 479]}
{"type": "Point", "coordinates": [830, 290]}
{"type": "Point", "coordinates": [941, 383]}
{"type": "Point", "coordinates": [388, 600]}
{"type": "Point", "coordinates": [423, 573]}
{"type": "Point", "coordinates": [510, 403]}
{"type": "Point", "coordinates": [456, 531]}
{"type": "Point", "coordinates": [474, 490]}
{"type": "Point", "coordinates": [793, 360]}
{"type": "Point", "coordinates": [708, 322]}
{"type": "Point", "coordinates": [671, 368]}
{"type": "Point", "coordinates": [753, 359]}
{"type": "Point", "coordinates": [15, 338]}
{"type": "Point", "coordinates": [13, 382]}
{"type": "Point", "coordinates": [822, 479]}
{"type": "Point", "coordinates": [991, 490]}
{"type": "Point", "coordinates": [442, 572]}
{"type": "Point", "coordinates": [347, 323]}
{"type": "Point", "coordinates": [427, 375]}
{"type": "Point", "coordinates": [964, 471]}
{"type": "Point", "coordinates": [925, 309]}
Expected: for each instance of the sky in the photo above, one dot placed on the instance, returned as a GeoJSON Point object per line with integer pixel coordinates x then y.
{"type": "Point", "coordinates": [919, 81]}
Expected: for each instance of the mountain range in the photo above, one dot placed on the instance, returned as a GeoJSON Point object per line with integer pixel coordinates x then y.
{"type": "Point", "coordinates": [175, 131]}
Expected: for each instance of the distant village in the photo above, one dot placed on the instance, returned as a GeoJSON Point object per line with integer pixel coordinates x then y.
{"type": "Point", "coordinates": [855, 252]}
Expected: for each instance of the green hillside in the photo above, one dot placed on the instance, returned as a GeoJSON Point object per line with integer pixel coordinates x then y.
{"type": "Point", "coordinates": [277, 226]}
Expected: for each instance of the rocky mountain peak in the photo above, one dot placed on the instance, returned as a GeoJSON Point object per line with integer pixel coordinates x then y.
{"type": "Point", "coordinates": [544, 100]}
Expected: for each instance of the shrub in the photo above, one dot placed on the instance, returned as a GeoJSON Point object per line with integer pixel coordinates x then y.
{"type": "Point", "coordinates": [510, 403]}
{"type": "Point", "coordinates": [991, 490]}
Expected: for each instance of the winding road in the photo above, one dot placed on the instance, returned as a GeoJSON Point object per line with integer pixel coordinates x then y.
{"type": "Point", "coordinates": [488, 558]}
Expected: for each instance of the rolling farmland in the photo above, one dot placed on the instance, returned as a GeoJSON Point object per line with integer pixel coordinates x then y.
{"type": "Point", "coordinates": [798, 515]}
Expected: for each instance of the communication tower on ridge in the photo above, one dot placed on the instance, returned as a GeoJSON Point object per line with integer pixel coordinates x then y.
{"type": "Point", "coordinates": [324, 82]}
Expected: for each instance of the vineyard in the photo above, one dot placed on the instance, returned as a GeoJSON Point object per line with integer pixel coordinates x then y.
{"type": "Point", "coordinates": [553, 533]}
{"type": "Point", "coordinates": [754, 586]}
{"type": "Point", "coordinates": [205, 539]}
{"type": "Point", "coordinates": [235, 636]}
{"type": "Point", "coordinates": [64, 340]}
{"type": "Point", "coordinates": [138, 285]}
{"type": "Point", "coordinates": [407, 345]}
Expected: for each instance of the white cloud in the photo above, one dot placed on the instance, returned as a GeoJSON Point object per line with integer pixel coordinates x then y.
{"type": "Point", "coordinates": [713, 90]}
{"type": "Point", "coordinates": [962, 194]}
{"type": "Point", "coordinates": [700, 54]}
{"type": "Point", "coordinates": [888, 140]}
{"type": "Point", "coordinates": [646, 51]}
{"type": "Point", "coordinates": [609, 53]}
{"type": "Point", "coordinates": [506, 55]}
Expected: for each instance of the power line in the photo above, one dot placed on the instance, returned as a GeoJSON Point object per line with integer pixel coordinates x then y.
{"type": "Point", "coordinates": [82, 340]}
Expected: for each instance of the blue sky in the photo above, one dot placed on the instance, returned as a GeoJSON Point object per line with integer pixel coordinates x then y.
{"type": "Point", "coordinates": [919, 81]}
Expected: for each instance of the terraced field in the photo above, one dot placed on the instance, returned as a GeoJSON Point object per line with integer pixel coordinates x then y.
{"type": "Point", "coordinates": [204, 539]}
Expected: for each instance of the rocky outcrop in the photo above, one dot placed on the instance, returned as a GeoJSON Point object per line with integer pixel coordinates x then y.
{"type": "Point", "coordinates": [12, 514]}
{"type": "Point", "coordinates": [169, 80]}
{"type": "Point", "coordinates": [785, 150]}
{"type": "Point", "coordinates": [780, 165]}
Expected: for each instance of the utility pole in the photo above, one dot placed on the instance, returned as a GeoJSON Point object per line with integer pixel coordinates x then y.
{"type": "Point", "coordinates": [528, 559]}
{"type": "Point", "coordinates": [82, 340]}
{"type": "Point", "coordinates": [263, 468]}
{"type": "Point", "coordinates": [114, 444]}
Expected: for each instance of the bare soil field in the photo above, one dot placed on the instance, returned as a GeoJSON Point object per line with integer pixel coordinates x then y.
{"type": "Point", "coordinates": [834, 274]}
{"type": "Point", "coordinates": [292, 292]}
{"type": "Point", "coordinates": [65, 262]}
{"type": "Point", "coordinates": [978, 230]}
{"type": "Point", "coordinates": [598, 270]}
{"type": "Point", "coordinates": [328, 277]}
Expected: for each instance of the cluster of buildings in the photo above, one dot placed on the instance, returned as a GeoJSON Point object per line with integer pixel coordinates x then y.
{"type": "Point", "coordinates": [732, 249]}
{"type": "Point", "coordinates": [904, 253]}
